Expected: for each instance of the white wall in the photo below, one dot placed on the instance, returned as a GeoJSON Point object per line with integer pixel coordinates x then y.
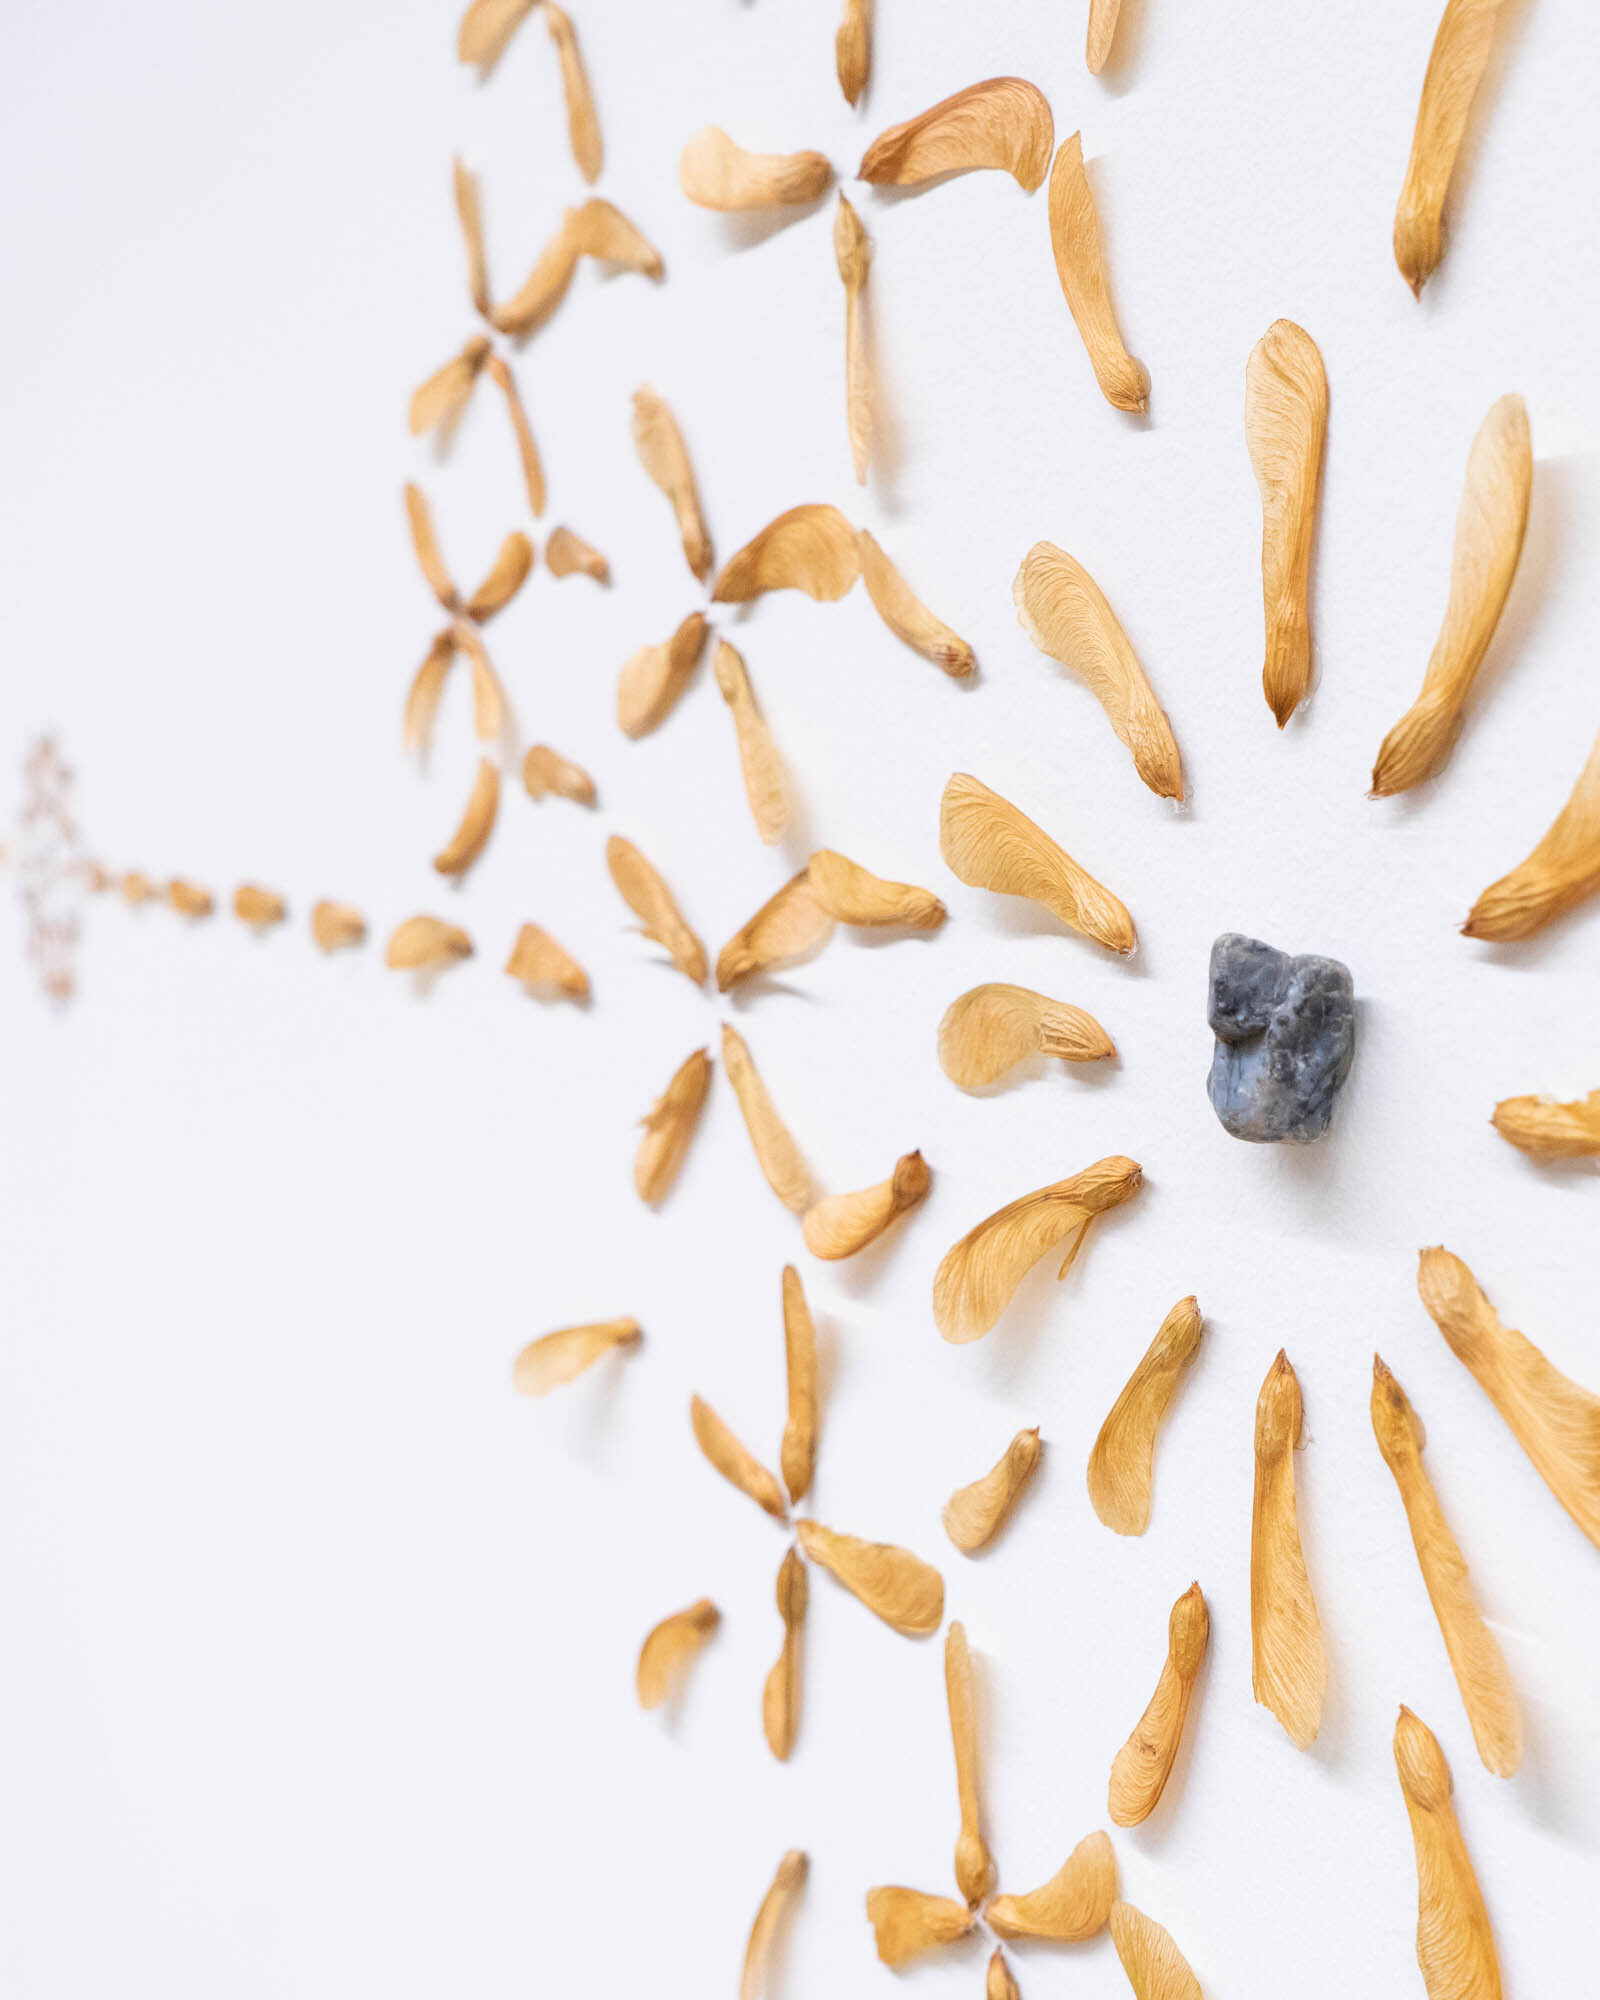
{"type": "Point", "coordinates": [319, 1654]}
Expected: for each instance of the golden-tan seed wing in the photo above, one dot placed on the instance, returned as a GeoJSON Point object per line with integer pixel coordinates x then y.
{"type": "Point", "coordinates": [425, 944]}
{"type": "Point", "coordinates": [260, 908]}
{"type": "Point", "coordinates": [1003, 122]}
{"type": "Point", "coordinates": [900, 1588]}
{"type": "Point", "coordinates": [907, 617]}
{"type": "Point", "coordinates": [841, 1224]}
{"type": "Point", "coordinates": [1072, 1906]}
{"type": "Point", "coordinates": [665, 457]}
{"type": "Point", "coordinates": [583, 123]}
{"type": "Point", "coordinates": [854, 895]}
{"type": "Point", "coordinates": [852, 48]}
{"type": "Point", "coordinates": [546, 771]}
{"type": "Point", "coordinates": [1548, 1130]}
{"type": "Point", "coordinates": [438, 404]}
{"type": "Point", "coordinates": [714, 172]}
{"type": "Point", "coordinates": [1289, 1671]}
{"type": "Point", "coordinates": [1455, 69]}
{"type": "Point", "coordinates": [798, 1452]}
{"type": "Point", "coordinates": [1285, 424]}
{"type": "Point", "coordinates": [733, 1460]}
{"type": "Point", "coordinates": [337, 926]}
{"type": "Point", "coordinates": [1156, 1969]}
{"type": "Point", "coordinates": [776, 1907]}
{"type": "Point", "coordinates": [426, 545]}
{"type": "Point", "coordinates": [789, 926]}
{"type": "Point", "coordinates": [779, 1157]}
{"type": "Point", "coordinates": [811, 548]}
{"type": "Point", "coordinates": [1143, 1765]}
{"type": "Point", "coordinates": [567, 554]}
{"type": "Point", "coordinates": [544, 966]}
{"type": "Point", "coordinates": [1455, 1944]}
{"type": "Point", "coordinates": [906, 1922]}
{"type": "Point", "coordinates": [650, 684]}
{"type": "Point", "coordinates": [1081, 268]}
{"type": "Point", "coordinates": [652, 902]}
{"type": "Point", "coordinates": [560, 1357]}
{"type": "Point", "coordinates": [521, 431]}
{"type": "Point", "coordinates": [669, 1125]}
{"type": "Point", "coordinates": [1121, 1465]}
{"type": "Point", "coordinates": [992, 1028]}
{"type": "Point", "coordinates": [852, 250]}
{"type": "Point", "coordinates": [974, 1863]}
{"type": "Point", "coordinates": [780, 1695]}
{"type": "Point", "coordinates": [671, 1649]}
{"type": "Point", "coordinates": [988, 844]}
{"type": "Point", "coordinates": [765, 785]}
{"type": "Point", "coordinates": [476, 824]}
{"type": "Point", "coordinates": [1561, 871]}
{"type": "Point", "coordinates": [975, 1514]}
{"type": "Point", "coordinates": [486, 28]}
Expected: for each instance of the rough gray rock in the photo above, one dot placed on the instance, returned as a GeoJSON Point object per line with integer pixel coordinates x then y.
{"type": "Point", "coordinates": [1286, 1030]}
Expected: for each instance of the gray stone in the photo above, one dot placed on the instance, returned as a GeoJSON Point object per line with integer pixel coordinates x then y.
{"type": "Point", "coordinates": [1286, 1033]}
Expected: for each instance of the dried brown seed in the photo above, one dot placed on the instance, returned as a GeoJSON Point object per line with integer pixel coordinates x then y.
{"type": "Point", "coordinates": [906, 1923]}
{"type": "Point", "coordinates": [1081, 267]}
{"type": "Point", "coordinates": [560, 1357]}
{"type": "Point", "coordinates": [260, 908]}
{"type": "Point", "coordinates": [488, 697]}
{"type": "Point", "coordinates": [1455, 69]}
{"type": "Point", "coordinates": [974, 1863]}
{"type": "Point", "coordinates": [507, 576]}
{"type": "Point", "coordinates": [567, 554]}
{"type": "Point", "coordinates": [1549, 1130]}
{"type": "Point", "coordinates": [486, 28]}
{"type": "Point", "coordinates": [189, 899]}
{"type": "Point", "coordinates": [1064, 612]}
{"type": "Point", "coordinates": [715, 173]}
{"type": "Point", "coordinates": [337, 926]}
{"type": "Point", "coordinates": [545, 771]}
{"type": "Point", "coordinates": [988, 844]}
{"type": "Point", "coordinates": [583, 127]}
{"type": "Point", "coordinates": [539, 962]}
{"type": "Point", "coordinates": [776, 1153]}
{"type": "Point", "coordinates": [669, 1125]}
{"type": "Point", "coordinates": [764, 783]}
{"type": "Point", "coordinates": [737, 1465]}
{"type": "Point", "coordinates": [811, 548]}
{"type": "Point", "coordinates": [975, 1514]}
{"type": "Point", "coordinates": [1489, 530]}
{"type": "Point", "coordinates": [852, 48]}
{"type": "Point", "coordinates": [907, 617]}
{"type": "Point", "coordinates": [422, 698]}
{"type": "Point", "coordinates": [780, 1697]}
{"type": "Point", "coordinates": [663, 454]}
{"type": "Point", "coordinates": [1121, 1463]}
{"type": "Point", "coordinates": [998, 1983]}
{"type": "Point", "coordinates": [900, 1588]}
{"type": "Point", "coordinates": [1072, 1906]}
{"type": "Point", "coordinates": [1561, 870]}
{"type": "Point", "coordinates": [137, 888]}
{"type": "Point", "coordinates": [852, 250]}
{"type": "Point", "coordinates": [445, 394]}
{"type": "Point", "coordinates": [426, 545]}
{"type": "Point", "coordinates": [469, 212]}
{"type": "Point", "coordinates": [671, 1648]}
{"type": "Point", "coordinates": [1003, 122]}
{"type": "Point", "coordinates": [477, 822]}
{"type": "Point", "coordinates": [1556, 1422]}
{"type": "Point", "coordinates": [854, 895]}
{"type": "Point", "coordinates": [1156, 1969]}
{"type": "Point", "coordinates": [789, 925]}
{"type": "Point", "coordinates": [1102, 33]}
{"type": "Point", "coordinates": [522, 431]}
{"type": "Point", "coordinates": [651, 901]}
{"type": "Point", "coordinates": [1143, 1765]}
{"type": "Point", "coordinates": [1475, 1657]}
{"type": "Point", "coordinates": [425, 944]}
{"type": "Point", "coordinates": [798, 1453]}
{"type": "Point", "coordinates": [652, 680]}
{"type": "Point", "coordinates": [972, 1286]}
{"type": "Point", "coordinates": [599, 230]}
{"type": "Point", "coordinates": [1285, 424]}
{"type": "Point", "coordinates": [1289, 1671]}
{"type": "Point", "coordinates": [841, 1224]}
{"type": "Point", "coordinates": [1455, 1946]}
{"type": "Point", "coordinates": [775, 1907]}
{"type": "Point", "coordinates": [992, 1028]}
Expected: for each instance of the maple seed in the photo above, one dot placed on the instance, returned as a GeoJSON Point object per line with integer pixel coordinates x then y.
{"type": "Point", "coordinates": [1072, 1906]}
{"type": "Point", "coordinates": [852, 251]}
{"type": "Point", "coordinates": [852, 48]}
{"type": "Point", "coordinates": [780, 1697]}
{"type": "Point", "coordinates": [777, 1155]}
{"type": "Point", "coordinates": [790, 925]}
{"type": "Point", "coordinates": [546, 771]}
{"type": "Point", "coordinates": [715, 173]}
{"type": "Point", "coordinates": [841, 1224]}
{"type": "Point", "coordinates": [545, 967]}
{"type": "Point", "coordinates": [1144, 1763]}
{"type": "Point", "coordinates": [906, 1923]}
{"type": "Point", "coordinates": [425, 944]}
{"type": "Point", "coordinates": [337, 926]}
{"type": "Point", "coordinates": [560, 1357]}
{"type": "Point", "coordinates": [583, 127]}
{"type": "Point", "coordinates": [798, 1452]}
{"type": "Point", "coordinates": [775, 1908]}
{"type": "Point", "coordinates": [1285, 423]}
{"type": "Point", "coordinates": [975, 1514]}
{"type": "Point", "coordinates": [991, 1029]}
{"type": "Point", "coordinates": [1289, 1670]}
{"type": "Point", "coordinates": [1121, 1463]}
{"type": "Point", "coordinates": [651, 901]}
{"type": "Point", "coordinates": [731, 1458]}
{"type": "Point", "coordinates": [567, 554]}
{"type": "Point", "coordinates": [1548, 1130]}
{"type": "Point", "coordinates": [259, 908]}
{"type": "Point", "coordinates": [988, 844]}
{"type": "Point", "coordinates": [1003, 122]}
{"type": "Point", "coordinates": [900, 1588]}
{"type": "Point", "coordinates": [1080, 266]}
{"type": "Point", "coordinates": [1561, 870]}
{"type": "Point", "coordinates": [189, 899]}
{"type": "Point", "coordinates": [1156, 1969]}
{"type": "Point", "coordinates": [665, 457]}
{"type": "Point", "coordinates": [1455, 1946]}
{"type": "Point", "coordinates": [671, 1649]}
{"type": "Point", "coordinates": [765, 786]}
{"type": "Point", "coordinates": [1102, 33]}
{"type": "Point", "coordinates": [650, 684]}
{"type": "Point", "coordinates": [811, 548]}
{"type": "Point", "coordinates": [1456, 65]}
{"type": "Point", "coordinates": [907, 617]}
{"type": "Point", "coordinates": [854, 895]}
{"type": "Point", "coordinates": [477, 822]}
{"type": "Point", "coordinates": [669, 1125]}
{"type": "Point", "coordinates": [974, 1864]}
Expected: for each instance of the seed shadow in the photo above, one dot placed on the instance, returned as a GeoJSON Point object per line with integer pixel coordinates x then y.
{"type": "Point", "coordinates": [1040, 1068]}
{"type": "Point", "coordinates": [1117, 75]}
{"type": "Point", "coordinates": [1538, 1785]}
{"type": "Point", "coordinates": [748, 229]}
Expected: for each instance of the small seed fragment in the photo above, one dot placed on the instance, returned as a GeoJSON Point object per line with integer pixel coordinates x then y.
{"type": "Point", "coordinates": [714, 172]}
{"type": "Point", "coordinates": [469, 213]}
{"type": "Point", "coordinates": [974, 1283]}
{"type": "Point", "coordinates": [650, 684]}
{"type": "Point", "coordinates": [790, 925]}
{"type": "Point", "coordinates": [1064, 612]}
{"type": "Point", "coordinates": [546, 771]}
{"type": "Point", "coordinates": [765, 786]}
{"type": "Point", "coordinates": [852, 250]}
{"type": "Point", "coordinates": [798, 1453]}
{"type": "Point", "coordinates": [974, 1515]}
{"type": "Point", "coordinates": [665, 457]}
{"type": "Point", "coordinates": [992, 1028]}
{"type": "Point", "coordinates": [988, 844]}
{"type": "Point", "coordinates": [583, 127]}
{"type": "Point", "coordinates": [137, 888]}
{"type": "Point", "coordinates": [477, 822]}
{"type": "Point", "coordinates": [425, 944]}
{"type": "Point", "coordinates": [1102, 33]}
{"type": "Point", "coordinates": [1456, 65]}
{"type": "Point", "coordinates": [1003, 122]}
{"type": "Point", "coordinates": [260, 908]}
{"type": "Point", "coordinates": [597, 229]}
{"type": "Point", "coordinates": [1289, 1670]}
{"type": "Point", "coordinates": [906, 1922]}
{"type": "Point", "coordinates": [737, 1465]}
{"type": "Point", "coordinates": [522, 431]}
{"type": "Point", "coordinates": [811, 548]}
{"type": "Point", "coordinates": [1080, 265]}
{"type": "Point", "coordinates": [907, 617]}
{"type": "Point", "coordinates": [189, 899]}
{"type": "Point", "coordinates": [1455, 1945]}
{"type": "Point", "coordinates": [1072, 1906]}
{"type": "Point", "coordinates": [486, 28]}
{"type": "Point", "coordinates": [567, 554]}
{"type": "Point", "coordinates": [422, 698]}
{"type": "Point", "coordinates": [898, 1587]}
{"type": "Point", "coordinates": [777, 1155]}
{"type": "Point", "coordinates": [1548, 1130]}
{"type": "Point", "coordinates": [652, 902]}
{"type": "Point", "coordinates": [841, 1224]}
{"type": "Point", "coordinates": [974, 1863]}
{"type": "Point", "coordinates": [669, 1125]}
{"type": "Point", "coordinates": [1561, 870]}
{"type": "Point", "coordinates": [775, 1908]}
{"type": "Point", "coordinates": [852, 48]}
{"type": "Point", "coordinates": [1156, 1969]}
{"type": "Point", "coordinates": [560, 1357]}
{"type": "Point", "coordinates": [671, 1648]}
{"type": "Point", "coordinates": [540, 963]}
{"type": "Point", "coordinates": [441, 399]}
{"type": "Point", "coordinates": [1285, 424]}
{"type": "Point", "coordinates": [337, 926]}
{"type": "Point", "coordinates": [780, 1697]}
{"type": "Point", "coordinates": [1122, 1462]}
{"type": "Point", "coordinates": [854, 895]}
{"type": "Point", "coordinates": [1489, 529]}
{"type": "Point", "coordinates": [998, 1983]}
{"type": "Point", "coordinates": [1144, 1763]}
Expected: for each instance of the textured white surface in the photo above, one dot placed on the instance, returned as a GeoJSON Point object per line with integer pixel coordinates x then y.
{"type": "Point", "coordinates": [319, 1655]}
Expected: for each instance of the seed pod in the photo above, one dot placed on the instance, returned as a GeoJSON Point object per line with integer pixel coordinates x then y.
{"type": "Point", "coordinates": [259, 908]}
{"type": "Point", "coordinates": [189, 899]}
{"type": "Point", "coordinates": [1455, 69]}
{"type": "Point", "coordinates": [798, 1453]}
{"type": "Point", "coordinates": [1489, 530]}
{"type": "Point", "coordinates": [988, 844]}
{"type": "Point", "coordinates": [425, 545]}
{"type": "Point", "coordinates": [545, 770]}
{"type": "Point", "coordinates": [663, 454]}
{"type": "Point", "coordinates": [1289, 1670]}
{"type": "Point", "coordinates": [438, 404]}
{"type": "Point", "coordinates": [597, 229]}
{"type": "Point", "coordinates": [583, 127]}
{"type": "Point", "coordinates": [780, 1697]}
{"type": "Point", "coordinates": [1561, 870]}
{"type": "Point", "coordinates": [425, 944]}
{"type": "Point", "coordinates": [854, 895]}
{"type": "Point", "coordinates": [972, 1286]}
{"type": "Point", "coordinates": [650, 684]}
{"type": "Point", "coordinates": [469, 213]}
{"type": "Point", "coordinates": [907, 617]}
{"type": "Point", "coordinates": [651, 901]}
{"type": "Point", "coordinates": [1080, 265]}
{"type": "Point", "coordinates": [811, 548]}
{"type": "Point", "coordinates": [1121, 1463]}
{"type": "Point", "coordinates": [775, 1908]}
{"type": "Point", "coordinates": [1156, 1969]}
{"type": "Point", "coordinates": [336, 926]}
{"type": "Point", "coordinates": [669, 1125]}
{"type": "Point", "coordinates": [852, 48]}
{"type": "Point", "coordinates": [567, 554]}
{"type": "Point", "coordinates": [1285, 424]}
{"type": "Point", "coordinates": [992, 1028]}
{"type": "Point", "coordinates": [777, 1155]}
{"type": "Point", "coordinates": [422, 698]}
{"type": "Point", "coordinates": [486, 28]}
{"type": "Point", "coordinates": [736, 1464]}
{"type": "Point", "coordinates": [671, 1649]}
{"type": "Point", "coordinates": [1003, 123]}
{"type": "Point", "coordinates": [974, 1515]}
{"type": "Point", "coordinates": [522, 431]}
{"type": "Point", "coordinates": [1455, 1946]}
{"type": "Point", "coordinates": [477, 822]}
{"type": "Point", "coordinates": [540, 963]}
{"type": "Point", "coordinates": [1550, 1131]}
{"type": "Point", "coordinates": [1144, 1763]}
{"type": "Point", "coordinates": [715, 173]}
{"type": "Point", "coordinates": [852, 251]}
{"type": "Point", "coordinates": [560, 1357]}
{"type": "Point", "coordinates": [1475, 1657]}
{"type": "Point", "coordinates": [1102, 33]}
{"type": "Point", "coordinates": [900, 1588]}
{"type": "Point", "coordinates": [1556, 1422]}
{"type": "Point", "coordinates": [841, 1224]}
{"type": "Point", "coordinates": [1065, 614]}
{"type": "Point", "coordinates": [760, 765]}
{"type": "Point", "coordinates": [974, 1863]}
{"type": "Point", "coordinates": [1072, 1906]}
{"type": "Point", "coordinates": [906, 1923]}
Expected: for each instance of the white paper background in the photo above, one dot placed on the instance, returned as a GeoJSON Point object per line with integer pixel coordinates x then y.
{"type": "Point", "coordinates": [320, 1643]}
